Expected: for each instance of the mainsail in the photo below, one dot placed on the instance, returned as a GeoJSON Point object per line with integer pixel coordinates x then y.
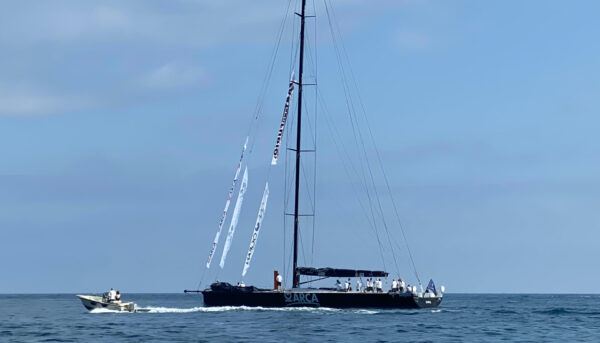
{"type": "Point", "coordinates": [224, 216]}
{"type": "Point", "coordinates": [234, 218]}
{"type": "Point", "coordinates": [286, 109]}
{"type": "Point", "coordinates": [259, 218]}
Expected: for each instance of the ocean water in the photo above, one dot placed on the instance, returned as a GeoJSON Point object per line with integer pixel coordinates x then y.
{"type": "Point", "coordinates": [182, 318]}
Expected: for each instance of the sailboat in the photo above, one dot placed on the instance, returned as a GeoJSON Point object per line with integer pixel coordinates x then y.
{"type": "Point", "coordinates": [226, 294]}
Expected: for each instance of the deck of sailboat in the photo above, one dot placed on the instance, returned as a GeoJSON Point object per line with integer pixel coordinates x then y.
{"type": "Point", "coordinates": [222, 294]}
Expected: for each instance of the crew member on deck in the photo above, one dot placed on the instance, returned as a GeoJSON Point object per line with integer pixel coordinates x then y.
{"type": "Point", "coordinates": [279, 281]}
{"type": "Point", "coordinates": [394, 285]}
{"type": "Point", "coordinates": [338, 284]}
{"type": "Point", "coordinates": [118, 297]}
{"type": "Point", "coordinates": [379, 286]}
{"type": "Point", "coordinates": [401, 285]}
{"type": "Point", "coordinates": [359, 285]}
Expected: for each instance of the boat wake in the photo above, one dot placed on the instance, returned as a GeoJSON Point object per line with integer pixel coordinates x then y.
{"type": "Point", "coordinates": [104, 310]}
{"type": "Point", "coordinates": [160, 309]}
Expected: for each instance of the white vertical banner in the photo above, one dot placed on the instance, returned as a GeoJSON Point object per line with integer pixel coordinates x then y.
{"type": "Point", "coordinates": [224, 215]}
{"type": "Point", "coordinates": [286, 110]}
{"type": "Point", "coordinates": [235, 216]}
{"type": "Point", "coordinates": [259, 218]}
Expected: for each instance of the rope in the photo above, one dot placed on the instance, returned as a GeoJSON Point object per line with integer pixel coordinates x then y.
{"type": "Point", "coordinates": [363, 110]}
{"type": "Point", "coordinates": [254, 120]}
{"type": "Point", "coordinates": [355, 131]}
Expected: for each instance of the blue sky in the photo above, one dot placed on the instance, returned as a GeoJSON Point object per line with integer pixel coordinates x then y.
{"type": "Point", "coordinates": [121, 124]}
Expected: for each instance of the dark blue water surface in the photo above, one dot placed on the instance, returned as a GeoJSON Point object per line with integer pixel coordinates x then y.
{"type": "Point", "coordinates": [181, 318]}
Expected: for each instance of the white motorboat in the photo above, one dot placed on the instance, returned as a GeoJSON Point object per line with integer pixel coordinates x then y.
{"type": "Point", "coordinates": [93, 302]}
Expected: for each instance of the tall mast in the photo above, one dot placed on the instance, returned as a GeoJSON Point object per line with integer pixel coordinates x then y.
{"type": "Point", "coordinates": [298, 146]}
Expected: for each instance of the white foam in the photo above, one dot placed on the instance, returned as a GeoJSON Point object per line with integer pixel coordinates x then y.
{"type": "Point", "coordinates": [158, 309]}
{"type": "Point", "coordinates": [104, 310]}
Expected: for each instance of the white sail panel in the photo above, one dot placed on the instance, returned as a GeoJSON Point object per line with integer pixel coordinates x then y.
{"type": "Point", "coordinates": [224, 215]}
{"type": "Point", "coordinates": [235, 216]}
{"type": "Point", "coordinates": [259, 218]}
{"type": "Point", "coordinates": [286, 109]}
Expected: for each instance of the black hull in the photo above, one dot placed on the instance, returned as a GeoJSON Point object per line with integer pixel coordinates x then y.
{"type": "Point", "coordinates": [253, 297]}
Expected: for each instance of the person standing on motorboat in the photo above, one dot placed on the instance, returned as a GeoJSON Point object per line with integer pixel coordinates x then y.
{"type": "Point", "coordinates": [112, 294]}
{"type": "Point", "coordinates": [118, 297]}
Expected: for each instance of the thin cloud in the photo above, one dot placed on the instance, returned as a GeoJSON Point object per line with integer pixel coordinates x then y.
{"type": "Point", "coordinates": [23, 100]}
{"type": "Point", "coordinates": [173, 75]}
{"type": "Point", "coordinates": [409, 40]}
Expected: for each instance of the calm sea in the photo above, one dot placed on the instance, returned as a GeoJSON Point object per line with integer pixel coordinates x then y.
{"type": "Point", "coordinates": [181, 318]}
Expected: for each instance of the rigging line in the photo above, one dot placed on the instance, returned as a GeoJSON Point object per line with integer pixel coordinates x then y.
{"type": "Point", "coordinates": [376, 193]}
{"type": "Point", "coordinates": [290, 256]}
{"type": "Point", "coordinates": [310, 196]}
{"type": "Point", "coordinates": [309, 55]}
{"type": "Point", "coordinates": [312, 205]}
{"type": "Point", "coordinates": [267, 78]}
{"type": "Point", "coordinates": [265, 85]}
{"type": "Point", "coordinates": [350, 106]}
{"type": "Point", "coordinates": [201, 278]}
{"type": "Point", "coordinates": [310, 126]}
{"type": "Point", "coordinates": [294, 47]}
{"type": "Point", "coordinates": [349, 103]}
{"type": "Point", "coordinates": [335, 133]}
{"type": "Point", "coordinates": [402, 230]}
{"type": "Point", "coordinates": [314, 218]}
{"type": "Point", "coordinates": [364, 112]}
{"type": "Point", "coordinates": [333, 130]}
{"type": "Point", "coordinates": [302, 247]}
{"type": "Point", "coordinates": [354, 118]}
{"type": "Point", "coordinates": [290, 182]}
